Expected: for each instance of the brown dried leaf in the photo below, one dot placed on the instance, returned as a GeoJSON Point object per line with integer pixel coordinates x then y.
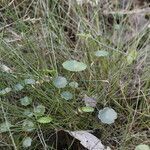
{"type": "Point", "coordinates": [5, 68]}
{"type": "Point", "coordinates": [88, 140]}
{"type": "Point", "coordinates": [89, 101]}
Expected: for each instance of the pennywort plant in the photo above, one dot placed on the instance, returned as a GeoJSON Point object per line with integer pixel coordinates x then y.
{"type": "Point", "coordinates": [27, 141]}
{"type": "Point", "coordinates": [51, 93]}
{"type": "Point", "coordinates": [106, 115]}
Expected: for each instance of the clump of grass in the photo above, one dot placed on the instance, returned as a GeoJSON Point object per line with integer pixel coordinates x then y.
{"type": "Point", "coordinates": [47, 34]}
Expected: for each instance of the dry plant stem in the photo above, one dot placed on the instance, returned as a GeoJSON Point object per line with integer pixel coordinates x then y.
{"type": "Point", "coordinates": [122, 91]}
{"type": "Point", "coordinates": [41, 137]}
{"type": "Point", "coordinates": [135, 111]}
{"type": "Point", "coordinates": [126, 12]}
{"type": "Point", "coordinates": [7, 5]}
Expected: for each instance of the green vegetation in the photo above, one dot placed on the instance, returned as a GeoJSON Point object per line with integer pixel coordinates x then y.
{"type": "Point", "coordinates": [52, 54]}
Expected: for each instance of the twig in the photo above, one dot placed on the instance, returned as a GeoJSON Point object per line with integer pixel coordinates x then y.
{"type": "Point", "coordinates": [7, 5]}
{"type": "Point", "coordinates": [126, 12]}
{"type": "Point", "coordinates": [6, 26]}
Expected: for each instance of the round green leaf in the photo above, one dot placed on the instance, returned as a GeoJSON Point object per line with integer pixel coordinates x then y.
{"type": "Point", "coordinates": [4, 127]}
{"type": "Point", "coordinates": [87, 109]}
{"type": "Point", "coordinates": [132, 56]}
{"type": "Point", "coordinates": [142, 147]}
{"type": "Point", "coordinates": [60, 82]}
{"type": "Point", "coordinates": [27, 142]}
{"type": "Point", "coordinates": [28, 126]}
{"type": "Point", "coordinates": [28, 113]}
{"type": "Point", "coordinates": [18, 87]}
{"type": "Point", "coordinates": [39, 110]}
{"type": "Point", "coordinates": [101, 53]}
{"type": "Point", "coordinates": [73, 65]}
{"type": "Point", "coordinates": [45, 120]}
{"type": "Point", "coordinates": [107, 115]}
{"type": "Point", "coordinates": [26, 101]}
{"type": "Point", "coordinates": [73, 84]}
{"type": "Point", "coordinates": [5, 91]}
{"type": "Point", "coordinates": [66, 95]}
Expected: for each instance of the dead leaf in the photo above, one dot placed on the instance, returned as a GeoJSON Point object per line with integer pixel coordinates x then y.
{"type": "Point", "coordinates": [12, 36]}
{"type": "Point", "coordinates": [88, 140]}
{"type": "Point", "coordinates": [5, 68]}
{"type": "Point", "coordinates": [89, 101]}
{"type": "Point", "coordinates": [138, 21]}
